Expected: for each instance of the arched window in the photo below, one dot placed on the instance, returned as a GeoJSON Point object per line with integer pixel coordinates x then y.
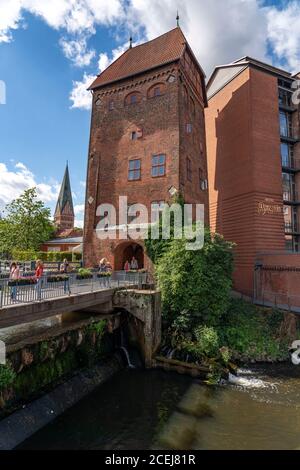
{"type": "Point", "coordinates": [133, 98]}
{"type": "Point", "coordinates": [156, 90]}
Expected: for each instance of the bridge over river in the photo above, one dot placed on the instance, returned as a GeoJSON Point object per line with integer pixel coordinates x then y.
{"type": "Point", "coordinates": [29, 302]}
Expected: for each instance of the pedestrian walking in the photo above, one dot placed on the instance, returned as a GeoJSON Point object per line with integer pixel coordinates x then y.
{"type": "Point", "coordinates": [14, 275]}
{"type": "Point", "coordinates": [39, 271]}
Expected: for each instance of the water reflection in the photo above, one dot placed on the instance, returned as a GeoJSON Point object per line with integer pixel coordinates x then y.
{"type": "Point", "coordinates": [131, 410]}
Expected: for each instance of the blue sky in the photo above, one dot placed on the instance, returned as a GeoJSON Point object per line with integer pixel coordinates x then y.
{"type": "Point", "coordinates": [51, 53]}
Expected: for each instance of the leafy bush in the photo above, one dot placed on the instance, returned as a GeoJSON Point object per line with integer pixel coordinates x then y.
{"type": "Point", "coordinates": [207, 341]}
{"type": "Point", "coordinates": [100, 275]}
{"type": "Point", "coordinates": [46, 256]}
{"type": "Point", "coordinates": [58, 278]}
{"type": "Point", "coordinates": [84, 274]}
{"type": "Point", "coordinates": [198, 282]}
{"type": "Point", "coordinates": [22, 282]}
{"type": "Point", "coordinates": [252, 332]}
{"type": "Point", "coordinates": [7, 376]}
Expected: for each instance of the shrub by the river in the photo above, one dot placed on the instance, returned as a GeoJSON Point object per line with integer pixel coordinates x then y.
{"type": "Point", "coordinates": [7, 376]}
{"type": "Point", "coordinates": [197, 282]}
{"type": "Point", "coordinates": [253, 333]}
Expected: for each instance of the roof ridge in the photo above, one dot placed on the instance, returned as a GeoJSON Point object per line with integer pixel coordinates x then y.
{"type": "Point", "coordinates": [159, 37]}
{"type": "Point", "coordinates": [112, 63]}
{"type": "Point", "coordinates": [169, 48]}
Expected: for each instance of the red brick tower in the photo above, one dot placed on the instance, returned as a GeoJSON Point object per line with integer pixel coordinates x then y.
{"type": "Point", "coordinates": [147, 138]}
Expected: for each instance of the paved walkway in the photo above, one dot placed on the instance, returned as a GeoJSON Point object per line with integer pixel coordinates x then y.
{"type": "Point", "coordinates": [51, 291]}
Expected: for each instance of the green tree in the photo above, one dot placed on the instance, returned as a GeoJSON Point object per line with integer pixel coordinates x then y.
{"type": "Point", "coordinates": [196, 282]}
{"type": "Point", "coordinates": [26, 225]}
{"type": "Point", "coordinates": [157, 247]}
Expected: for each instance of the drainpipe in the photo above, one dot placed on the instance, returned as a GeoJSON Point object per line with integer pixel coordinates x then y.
{"type": "Point", "coordinates": [257, 269]}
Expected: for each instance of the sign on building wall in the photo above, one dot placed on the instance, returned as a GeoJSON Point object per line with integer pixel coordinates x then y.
{"type": "Point", "coordinates": [269, 207]}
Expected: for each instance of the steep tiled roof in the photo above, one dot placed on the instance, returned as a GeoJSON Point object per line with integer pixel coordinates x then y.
{"type": "Point", "coordinates": [65, 194]}
{"type": "Point", "coordinates": [160, 51]}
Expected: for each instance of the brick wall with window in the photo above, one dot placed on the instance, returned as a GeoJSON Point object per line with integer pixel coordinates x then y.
{"type": "Point", "coordinates": [143, 169]}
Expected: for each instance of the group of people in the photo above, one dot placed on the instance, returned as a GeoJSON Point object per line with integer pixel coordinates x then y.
{"type": "Point", "coordinates": [15, 275]}
{"type": "Point", "coordinates": [132, 265]}
{"type": "Point", "coordinates": [105, 266]}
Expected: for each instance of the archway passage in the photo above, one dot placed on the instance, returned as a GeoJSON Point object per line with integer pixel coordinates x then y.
{"type": "Point", "coordinates": [125, 252]}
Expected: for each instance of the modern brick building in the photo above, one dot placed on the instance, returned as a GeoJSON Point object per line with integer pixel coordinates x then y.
{"type": "Point", "coordinates": [252, 133]}
{"type": "Point", "coordinates": [147, 138]}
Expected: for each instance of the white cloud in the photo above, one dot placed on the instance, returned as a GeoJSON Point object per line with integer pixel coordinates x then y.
{"type": "Point", "coordinates": [105, 60]}
{"type": "Point", "coordinates": [10, 16]}
{"type": "Point", "coordinates": [74, 16]}
{"type": "Point", "coordinates": [79, 209]}
{"type": "Point", "coordinates": [77, 51]}
{"type": "Point", "coordinates": [284, 34]}
{"type": "Point", "coordinates": [78, 223]}
{"type": "Point", "coordinates": [14, 182]}
{"type": "Point", "coordinates": [79, 215]}
{"type": "Point", "coordinates": [218, 31]}
{"type": "Point", "coordinates": [80, 97]}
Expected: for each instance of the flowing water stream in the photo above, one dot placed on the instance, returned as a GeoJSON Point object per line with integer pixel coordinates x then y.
{"type": "Point", "coordinates": [258, 410]}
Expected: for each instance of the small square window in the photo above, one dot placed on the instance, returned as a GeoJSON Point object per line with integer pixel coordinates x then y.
{"type": "Point", "coordinates": [158, 165]}
{"type": "Point", "coordinates": [135, 135]}
{"type": "Point", "coordinates": [189, 128]}
{"type": "Point", "coordinates": [133, 99]}
{"type": "Point", "coordinates": [134, 171]}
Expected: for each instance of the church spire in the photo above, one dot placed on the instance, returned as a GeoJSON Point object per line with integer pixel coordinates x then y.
{"type": "Point", "coordinates": [177, 18]}
{"type": "Point", "coordinates": [64, 212]}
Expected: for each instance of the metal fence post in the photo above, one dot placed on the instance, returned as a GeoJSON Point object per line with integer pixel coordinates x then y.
{"type": "Point", "coordinates": [1, 294]}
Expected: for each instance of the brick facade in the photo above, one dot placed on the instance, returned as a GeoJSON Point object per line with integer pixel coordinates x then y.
{"type": "Point", "coordinates": [245, 165]}
{"type": "Point", "coordinates": [169, 123]}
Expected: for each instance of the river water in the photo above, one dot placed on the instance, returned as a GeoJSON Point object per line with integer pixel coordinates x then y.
{"type": "Point", "coordinates": [261, 410]}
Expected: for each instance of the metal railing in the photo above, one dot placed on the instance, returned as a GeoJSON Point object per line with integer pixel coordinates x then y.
{"type": "Point", "coordinates": [291, 227]}
{"type": "Point", "coordinates": [30, 290]}
{"type": "Point", "coordinates": [290, 196]}
{"type": "Point", "coordinates": [280, 300]}
{"type": "Point", "coordinates": [291, 163]}
{"type": "Point", "coordinates": [29, 266]}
